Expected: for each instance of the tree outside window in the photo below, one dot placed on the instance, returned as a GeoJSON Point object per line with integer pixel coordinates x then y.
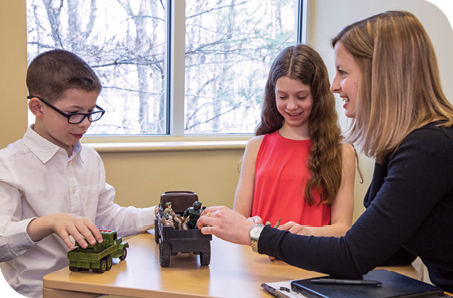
{"type": "Point", "coordinates": [230, 45]}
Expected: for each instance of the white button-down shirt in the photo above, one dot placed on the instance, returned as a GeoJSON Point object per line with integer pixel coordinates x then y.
{"type": "Point", "coordinates": [37, 178]}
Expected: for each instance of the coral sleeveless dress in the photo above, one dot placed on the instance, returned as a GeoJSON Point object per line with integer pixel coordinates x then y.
{"type": "Point", "coordinates": [280, 178]}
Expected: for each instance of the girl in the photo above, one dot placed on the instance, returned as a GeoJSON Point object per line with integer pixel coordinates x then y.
{"type": "Point", "coordinates": [388, 77]}
{"type": "Point", "coordinates": [296, 168]}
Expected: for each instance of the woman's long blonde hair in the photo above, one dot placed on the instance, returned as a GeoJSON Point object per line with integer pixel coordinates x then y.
{"type": "Point", "coordinates": [399, 88]}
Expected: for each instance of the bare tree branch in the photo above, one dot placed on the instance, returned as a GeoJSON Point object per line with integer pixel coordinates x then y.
{"type": "Point", "coordinates": [215, 8]}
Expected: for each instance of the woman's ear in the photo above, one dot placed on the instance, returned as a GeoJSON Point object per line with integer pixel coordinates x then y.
{"type": "Point", "coordinates": [35, 106]}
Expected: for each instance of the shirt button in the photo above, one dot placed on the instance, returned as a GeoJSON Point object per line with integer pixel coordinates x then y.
{"type": "Point", "coordinates": [73, 191]}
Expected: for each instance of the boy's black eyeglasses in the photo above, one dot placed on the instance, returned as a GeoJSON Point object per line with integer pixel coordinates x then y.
{"type": "Point", "coordinates": [76, 118]}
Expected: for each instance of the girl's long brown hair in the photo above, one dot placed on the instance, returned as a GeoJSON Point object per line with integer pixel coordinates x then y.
{"type": "Point", "coordinates": [303, 63]}
{"type": "Point", "coordinates": [399, 88]}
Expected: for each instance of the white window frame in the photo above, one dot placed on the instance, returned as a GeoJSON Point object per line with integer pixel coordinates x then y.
{"type": "Point", "coordinates": [175, 140]}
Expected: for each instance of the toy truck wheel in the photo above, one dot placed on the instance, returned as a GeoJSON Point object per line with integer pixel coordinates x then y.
{"type": "Point", "coordinates": [156, 231]}
{"type": "Point", "coordinates": [123, 254]}
{"type": "Point", "coordinates": [102, 267]}
{"type": "Point", "coordinates": [109, 262]}
{"type": "Point", "coordinates": [205, 254]}
{"type": "Point", "coordinates": [74, 269]}
{"type": "Point", "coordinates": [205, 259]}
{"type": "Point", "coordinates": [164, 257]}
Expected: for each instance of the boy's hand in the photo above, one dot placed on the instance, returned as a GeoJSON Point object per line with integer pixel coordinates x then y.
{"type": "Point", "coordinates": [65, 225]}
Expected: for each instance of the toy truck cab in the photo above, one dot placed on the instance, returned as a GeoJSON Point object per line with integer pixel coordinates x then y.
{"type": "Point", "coordinates": [173, 239]}
{"type": "Point", "coordinates": [98, 257]}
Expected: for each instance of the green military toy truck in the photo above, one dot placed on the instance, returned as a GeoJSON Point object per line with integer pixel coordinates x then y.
{"type": "Point", "coordinates": [98, 257]}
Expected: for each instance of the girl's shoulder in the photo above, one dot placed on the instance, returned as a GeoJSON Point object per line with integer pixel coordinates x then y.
{"type": "Point", "coordinates": [348, 152]}
{"type": "Point", "coordinates": [252, 148]}
{"type": "Point", "coordinates": [347, 148]}
{"type": "Point", "coordinates": [255, 141]}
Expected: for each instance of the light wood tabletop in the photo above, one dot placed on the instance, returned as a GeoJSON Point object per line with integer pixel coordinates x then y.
{"type": "Point", "coordinates": [235, 271]}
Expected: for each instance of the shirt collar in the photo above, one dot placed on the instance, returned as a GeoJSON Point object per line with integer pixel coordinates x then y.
{"type": "Point", "coordinates": [44, 149]}
{"type": "Point", "coordinates": [76, 151]}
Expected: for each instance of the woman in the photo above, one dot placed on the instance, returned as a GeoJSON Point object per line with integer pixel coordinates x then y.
{"type": "Point", "coordinates": [388, 77]}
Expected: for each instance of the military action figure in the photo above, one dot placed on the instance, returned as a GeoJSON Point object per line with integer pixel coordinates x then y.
{"type": "Point", "coordinates": [173, 219]}
{"type": "Point", "coordinates": [268, 223]}
{"type": "Point", "coordinates": [192, 214]}
{"type": "Point", "coordinates": [168, 208]}
{"type": "Point", "coordinates": [178, 221]}
{"type": "Point", "coordinates": [167, 218]}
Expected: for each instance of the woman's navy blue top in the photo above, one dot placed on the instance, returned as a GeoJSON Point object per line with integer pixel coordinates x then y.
{"type": "Point", "coordinates": [409, 204]}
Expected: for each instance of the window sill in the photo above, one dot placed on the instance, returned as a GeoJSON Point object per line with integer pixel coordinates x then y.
{"type": "Point", "coordinates": [165, 143]}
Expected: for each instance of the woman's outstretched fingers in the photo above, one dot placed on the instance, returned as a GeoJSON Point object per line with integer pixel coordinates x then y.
{"type": "Point", "coordinates": [225, 224]}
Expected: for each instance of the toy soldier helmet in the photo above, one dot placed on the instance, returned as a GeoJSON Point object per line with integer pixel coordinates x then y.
{"type": "Point", "coordinates": [196, 205]}
{"type": "Point", "coordinates": [168, 203]}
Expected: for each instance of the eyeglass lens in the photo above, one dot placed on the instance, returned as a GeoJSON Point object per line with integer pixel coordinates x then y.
{"type": "Point", "coordinates": [75, 119]}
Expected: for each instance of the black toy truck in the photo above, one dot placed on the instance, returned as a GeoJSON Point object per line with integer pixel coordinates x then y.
{"type": "Point", "coordinates": [171, 238]}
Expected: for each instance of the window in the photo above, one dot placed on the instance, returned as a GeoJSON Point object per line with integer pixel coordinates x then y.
{"type": "Point", "coordinates": [124, 42]}
{"type": "Point", "coordinates": [229, 47]}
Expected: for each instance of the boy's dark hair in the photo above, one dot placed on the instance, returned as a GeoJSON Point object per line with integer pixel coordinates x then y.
{"type": "Point", "coordinates": [51, 73]}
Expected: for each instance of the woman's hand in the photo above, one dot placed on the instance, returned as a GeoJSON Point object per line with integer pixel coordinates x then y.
{"type": "Point", "coordinates": [255, 220]}
{"type": "Point", "coordinates": [225, 224]}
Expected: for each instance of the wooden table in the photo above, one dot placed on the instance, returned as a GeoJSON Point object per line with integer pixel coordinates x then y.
{"type": "Point", "coordinates": [235, 271]}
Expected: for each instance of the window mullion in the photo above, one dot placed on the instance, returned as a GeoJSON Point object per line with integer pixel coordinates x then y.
{"type": "Point", "coordinates": [176, 48]}
{"type": "Point", "coordinates": [303, 20]}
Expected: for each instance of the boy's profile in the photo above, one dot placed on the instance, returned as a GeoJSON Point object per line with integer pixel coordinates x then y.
{"type": "Point", "coordinates": [53, 188]}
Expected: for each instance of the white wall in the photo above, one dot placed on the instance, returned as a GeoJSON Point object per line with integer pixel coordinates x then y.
{"type": "Point", "coordinates": [330, 16]}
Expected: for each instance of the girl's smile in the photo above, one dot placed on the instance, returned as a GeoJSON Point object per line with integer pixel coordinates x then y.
{"type": "Point", "coordinates": [294, 102]}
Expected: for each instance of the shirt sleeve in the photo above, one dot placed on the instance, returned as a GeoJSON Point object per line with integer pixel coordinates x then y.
{"type": "Point", "coordinates": [14, 240]}
{"type": "Point", "coordinates": [125, 220]}
{"type": "Point", "coordinates": [419, 176]}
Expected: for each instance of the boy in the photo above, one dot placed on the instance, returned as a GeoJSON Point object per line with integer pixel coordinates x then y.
{"type": "Point", "coordinates": [51, 186]}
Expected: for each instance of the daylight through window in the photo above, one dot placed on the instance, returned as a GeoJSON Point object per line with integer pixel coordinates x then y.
{"type": "Point", "coordinates": [230, 45]}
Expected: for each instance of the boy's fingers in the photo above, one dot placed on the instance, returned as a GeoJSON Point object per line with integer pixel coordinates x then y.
{"type": "Point", "coordinates": [66, 240]}
{"type": "Point", "coordinates": [76, 234]}
{"type": "Point", "coordinates": [87, 234]}
{"type": "Point", "coordinates": [81, 240]}
{"type": "Point", "coordinates": [90, 231]}
{"type": "Point", "coordinates": [95, 232]}
{"type": "Point", "coordinates": [68, 243]}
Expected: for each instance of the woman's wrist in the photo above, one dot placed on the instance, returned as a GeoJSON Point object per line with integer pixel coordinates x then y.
{"type": "Point", "coordinates": [254, 236]}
